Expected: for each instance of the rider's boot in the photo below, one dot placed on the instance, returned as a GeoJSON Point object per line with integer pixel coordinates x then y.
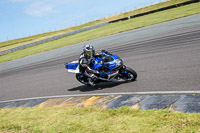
{"type": "Point", "coordinates": [91, 82]}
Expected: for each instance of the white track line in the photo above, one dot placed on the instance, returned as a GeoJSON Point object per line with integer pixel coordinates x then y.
{"type": "Point", "coordinates": [104, 94]}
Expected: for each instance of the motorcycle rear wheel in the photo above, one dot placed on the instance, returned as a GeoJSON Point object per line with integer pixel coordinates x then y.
{"type": "Point", "coordinates": [81, 78]}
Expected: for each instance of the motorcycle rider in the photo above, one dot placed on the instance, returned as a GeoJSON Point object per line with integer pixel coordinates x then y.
{"type": "Point", "coordinates": [86, 60]}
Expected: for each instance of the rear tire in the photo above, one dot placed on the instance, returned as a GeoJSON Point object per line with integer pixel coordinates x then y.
{"type": "Point", "coordinates": [81, 78]}
{"type": "Point", "coordinates": [130, 74]}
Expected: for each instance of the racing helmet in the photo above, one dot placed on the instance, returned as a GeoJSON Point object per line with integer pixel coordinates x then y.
{"type": "Point", "coordinates": [89, 50]}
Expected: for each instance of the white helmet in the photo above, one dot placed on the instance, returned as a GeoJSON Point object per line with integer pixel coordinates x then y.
{"type": "Point", "coordinates": [89, 50]}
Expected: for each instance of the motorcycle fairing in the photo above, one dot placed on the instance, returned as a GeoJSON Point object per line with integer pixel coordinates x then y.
{"type": "Point", "coordinates": [109, 75]}
{"type": "Point", "coordinates": [111, 63]}
{"type": "Point", "coordinates": [99, 63]}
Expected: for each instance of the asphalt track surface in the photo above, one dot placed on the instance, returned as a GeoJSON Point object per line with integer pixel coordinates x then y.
{"type": "Point", "coordinates": [164, 62]}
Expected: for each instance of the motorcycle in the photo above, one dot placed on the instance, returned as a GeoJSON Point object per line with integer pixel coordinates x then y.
{"type": "Point", "coordinates": [110, 67]}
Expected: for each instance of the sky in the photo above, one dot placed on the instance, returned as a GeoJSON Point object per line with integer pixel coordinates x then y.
{"type": "Point", "coordinates": [22, 18]}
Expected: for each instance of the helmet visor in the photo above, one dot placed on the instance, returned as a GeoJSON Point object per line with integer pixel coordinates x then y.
{"type": "Point", "coordinates": [89, 53]}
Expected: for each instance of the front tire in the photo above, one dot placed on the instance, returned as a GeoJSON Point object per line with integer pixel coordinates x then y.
{"type": "Point", "coordinates": [129, 74]}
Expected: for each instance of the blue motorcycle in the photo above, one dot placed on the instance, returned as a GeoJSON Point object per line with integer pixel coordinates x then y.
{"type": "Point", "coordinates": [110, 67]}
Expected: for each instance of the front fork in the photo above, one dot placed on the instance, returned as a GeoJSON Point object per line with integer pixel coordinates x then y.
{"type": "Point", "coordinates": [122, 71]}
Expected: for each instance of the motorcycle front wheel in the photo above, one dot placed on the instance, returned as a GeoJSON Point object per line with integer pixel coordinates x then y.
{"type": "Point", "coordinates": [129, 74]}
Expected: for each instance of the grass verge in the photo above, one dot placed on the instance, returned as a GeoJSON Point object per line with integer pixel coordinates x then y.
{"type": "Point", "coordinates": [76, 119]}
{"type": "Point", "coordinates": [107, 30]}
{"type": "Point", "coordinates": [21, 41]}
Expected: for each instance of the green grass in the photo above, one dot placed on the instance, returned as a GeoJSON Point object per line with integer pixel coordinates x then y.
{"type": "Point", "coordinates": [21, 41]}
{"type": "Point", "coordinates": [76, 119]}
{"type": "Point", "coordinates": [107, 30]}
